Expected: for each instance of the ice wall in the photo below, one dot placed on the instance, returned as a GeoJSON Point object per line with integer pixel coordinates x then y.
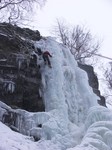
{"type": "Point", "coordinates": [65, 86]}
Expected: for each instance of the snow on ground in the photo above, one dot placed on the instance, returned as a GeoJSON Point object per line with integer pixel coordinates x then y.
{"type": "Point", "coordinates": [67, 123]}
{"type": "Point", "coordinates": [11, 140]}
{"type": "Point", "coordinates": [98, 130]}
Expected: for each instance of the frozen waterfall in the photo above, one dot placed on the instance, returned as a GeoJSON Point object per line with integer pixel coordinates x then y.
{"type": "Point", "coordinates": [72, 120]}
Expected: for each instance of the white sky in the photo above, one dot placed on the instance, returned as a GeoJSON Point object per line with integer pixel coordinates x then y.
{"type": "Point", "coordinates": [94, 14]}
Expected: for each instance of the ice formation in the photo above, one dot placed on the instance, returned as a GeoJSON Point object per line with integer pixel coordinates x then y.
{"type": "Point", "coordinates": [72, 119]}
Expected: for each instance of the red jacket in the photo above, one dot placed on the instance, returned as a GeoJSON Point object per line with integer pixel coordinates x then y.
{"type": "Point", "coordinates": [47, 53]}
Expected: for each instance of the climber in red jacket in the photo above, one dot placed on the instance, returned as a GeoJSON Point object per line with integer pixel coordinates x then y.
{"type": "Point", "coordinates": [46, 56]}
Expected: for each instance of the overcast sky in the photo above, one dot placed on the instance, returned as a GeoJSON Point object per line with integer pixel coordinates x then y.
{"type": "Point", "coordinates": [96, 15]}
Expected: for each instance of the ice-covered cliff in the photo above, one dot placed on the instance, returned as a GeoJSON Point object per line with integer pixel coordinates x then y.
{"type": "Point", "coordinates": [72, 120]}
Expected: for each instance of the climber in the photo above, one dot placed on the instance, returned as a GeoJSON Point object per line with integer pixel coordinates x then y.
{"type": "Point", "coordinates": [46, 56]}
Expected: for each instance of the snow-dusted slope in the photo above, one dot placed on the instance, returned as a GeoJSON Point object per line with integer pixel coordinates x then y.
{"type": "Point", "coordinates": [68, 98]}
{"type": "Point", "coordinates": [14, 141]}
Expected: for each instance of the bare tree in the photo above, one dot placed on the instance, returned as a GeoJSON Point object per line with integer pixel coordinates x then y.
{"type": "Point", "coordinates": [108, 82]}
{"type": "Point", "coordinates": [13, 10]}
{"type": "Point", "coordinates": [78, 40]}
{"type": "Point", "coordinates": [108, 76]}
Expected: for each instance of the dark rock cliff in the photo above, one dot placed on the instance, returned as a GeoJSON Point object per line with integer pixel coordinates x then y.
{"type": "Point", "coordinates": [16, 39]}
{"type": "Point", "coordinates": [20, 78]}
{"type": "Point", "coordinates": [93, 82]}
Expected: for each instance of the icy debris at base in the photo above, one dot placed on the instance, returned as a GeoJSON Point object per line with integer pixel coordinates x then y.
{"type": "Point", "coordinates": [70, 140]}
{"type": "Point", "coordinates": [11, 140]}
{"type": "Point", "coordinates": [98, 135]}
{"type": "Point", "coordinates": [28, 121]}
{"type": "Point", "coordinates": [98, 130]}
{"type": "Point", "coordinates": [98, 113]}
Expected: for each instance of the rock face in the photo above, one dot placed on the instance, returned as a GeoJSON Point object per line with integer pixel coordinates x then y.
{"type": "Point", "coordinates": [16, 39]}
{"type": "Point", "coordinates": [93, 82]}
{"type": "Point", "coordinates": [20, 77]}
